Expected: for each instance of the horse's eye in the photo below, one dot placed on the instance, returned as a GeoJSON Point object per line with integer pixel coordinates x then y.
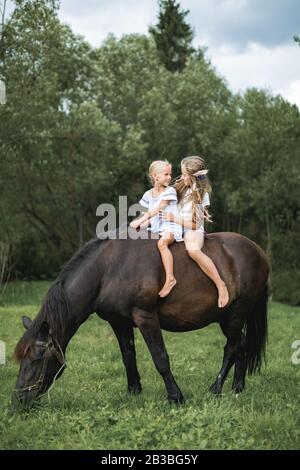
{"type": "Point", "coordinates": [36, 360]}
{"type": "Point", "coordinates": [37, 357]}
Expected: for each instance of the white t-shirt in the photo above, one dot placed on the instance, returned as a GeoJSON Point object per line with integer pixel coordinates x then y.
{"type": "Point", "coordinates": [185, 208]}
{"type": "Point", "coordinates": [161, 226]}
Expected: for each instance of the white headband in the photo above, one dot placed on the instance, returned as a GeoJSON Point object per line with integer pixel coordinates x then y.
{"type": "Point", "coordinates": [200, 173]}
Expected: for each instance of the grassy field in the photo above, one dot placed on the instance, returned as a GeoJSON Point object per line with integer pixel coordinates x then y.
{"type": "Point", "coordinates": [89, 407]}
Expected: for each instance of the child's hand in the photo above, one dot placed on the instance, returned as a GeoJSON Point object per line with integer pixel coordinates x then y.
{"type": "Point", "coordinates": [145, 224]}
{"type": "Point", "coordinates": [134, 224]}
{"type": "Point", "coordinates": [163, 215]}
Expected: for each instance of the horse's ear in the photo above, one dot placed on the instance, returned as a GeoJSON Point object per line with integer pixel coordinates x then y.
{"type": "Point", "coordinates": [44, 330]}
{"type": "Point", "coordinates": [27, 322]}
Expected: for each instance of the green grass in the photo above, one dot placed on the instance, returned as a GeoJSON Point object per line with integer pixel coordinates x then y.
{"type": "Point", "coordinates": [89, 407]}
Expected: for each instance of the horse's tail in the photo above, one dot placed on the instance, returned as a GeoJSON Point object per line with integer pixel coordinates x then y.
{"type": "Point", "coordinates": [256, 333]}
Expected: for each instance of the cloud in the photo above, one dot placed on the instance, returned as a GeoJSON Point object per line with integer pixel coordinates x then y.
{"type": "Point", "coordinates": [96, 19]}
{"type": "Point", "coordinates": [250, 42]}
{"type": "Point", "coordinates": [292, 92]}
{"type": "Point", "coordinates": [240, 22]}
{"type": "Point", "coordinates": [276, 69]}
{"type": "Point", "coordinates": [216, 22]}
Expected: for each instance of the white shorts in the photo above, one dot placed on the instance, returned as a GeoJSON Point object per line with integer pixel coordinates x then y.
{"type": "Point", "coordinates": [193, 239]}
{"type": "Point", "coordinates": [171, 227]}
{"type": "Point", "coordinates": [176, 233]}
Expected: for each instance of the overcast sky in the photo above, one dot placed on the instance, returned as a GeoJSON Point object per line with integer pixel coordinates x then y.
{"type": "Point", "coordinates": [250, 42]}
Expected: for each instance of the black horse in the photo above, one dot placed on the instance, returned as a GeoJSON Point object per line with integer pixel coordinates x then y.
{"type": "Point", "coordinates": [120, 279]}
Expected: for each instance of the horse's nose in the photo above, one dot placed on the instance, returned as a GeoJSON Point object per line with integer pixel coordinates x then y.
{"type": "Point", "coordinates": [22, 400]}
{"type": "Point", "coordinates": [16, 400]}
{"type": "Point", "coordinates": [19, 401]}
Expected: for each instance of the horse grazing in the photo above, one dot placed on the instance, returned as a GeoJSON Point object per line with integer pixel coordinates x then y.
{"type": "Point", "coordinates": [120, 279]}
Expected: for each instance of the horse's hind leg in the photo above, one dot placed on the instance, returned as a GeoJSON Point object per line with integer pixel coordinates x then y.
{"type": "Point", "coordinates": [228, 361]}
{"type": "Point", "coordinates": [231, 326]}
{"type": "Point", "coordinates": [125, 336]}
{"type": "Point", "coordinates": [149, 326]}
{"type": "Point", "coordinates": [240, 367]}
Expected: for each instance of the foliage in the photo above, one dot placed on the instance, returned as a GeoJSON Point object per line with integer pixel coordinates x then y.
{"type": "Point", "coordinates": [173, 36]}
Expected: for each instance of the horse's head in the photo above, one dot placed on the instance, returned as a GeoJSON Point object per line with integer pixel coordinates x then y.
{"type": "Point", "coordinates": [41, 362]}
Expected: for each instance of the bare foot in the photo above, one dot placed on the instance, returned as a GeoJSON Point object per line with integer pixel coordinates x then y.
{"type": "Point", "coordinates": [167, 287]}
{"type": "Point", "coordinates": [223, 296]}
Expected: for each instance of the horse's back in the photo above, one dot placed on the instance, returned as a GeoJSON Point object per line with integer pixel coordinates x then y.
{"type": "Point", "coordinates": [135, 275]}
{"type": "Point", "coordinates": [192, 303]}
{"type": "Point", "coordinates": [249, 263]}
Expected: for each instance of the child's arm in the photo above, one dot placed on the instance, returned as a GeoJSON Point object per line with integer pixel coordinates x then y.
{"type": "Point", "coordinates": [185, 223]}
{"type": "Point", "coordinates": [146, 224]}
{"type": "Point", "coordinates": [149, 214]}
{"type": "Point", "coordinates": [189, 224]}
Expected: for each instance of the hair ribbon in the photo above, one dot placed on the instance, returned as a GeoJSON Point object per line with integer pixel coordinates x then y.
{"type": "Point", "coordinates": [201, 174]}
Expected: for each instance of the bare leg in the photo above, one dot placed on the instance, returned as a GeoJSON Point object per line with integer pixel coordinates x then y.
{"type": "Point", "coordinates": [208, 266]}
{"type": "Point", "coordinates": [167, 260]}
{"type": "Point", "coordinates": [194, 242]}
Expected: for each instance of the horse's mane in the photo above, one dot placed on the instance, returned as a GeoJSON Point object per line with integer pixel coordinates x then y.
{"type": "Point", "coordinates": [71, 266]}
{"type": "Point", "coordinates": [55, 307]}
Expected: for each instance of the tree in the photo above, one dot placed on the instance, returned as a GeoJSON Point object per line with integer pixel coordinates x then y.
{"type": "Point", "coordinates": [47, 70]}
{"type": "Point", "coordinates": [172, 35]}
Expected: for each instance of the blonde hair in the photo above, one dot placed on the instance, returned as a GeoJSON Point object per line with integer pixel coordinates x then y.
{"type": "Point", "coordinates": [157, 167]}
{"type": "Point", "coordinates": [199, 185]}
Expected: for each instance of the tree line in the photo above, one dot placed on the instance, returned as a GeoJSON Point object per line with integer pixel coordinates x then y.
{"type": "Point", "coordinates": [81, 125]}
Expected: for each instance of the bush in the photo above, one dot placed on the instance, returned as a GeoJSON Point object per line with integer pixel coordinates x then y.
{"type": "Point", "coordinates": [36, 259]}
{"type": "Point", "coordinates": [286, 286]}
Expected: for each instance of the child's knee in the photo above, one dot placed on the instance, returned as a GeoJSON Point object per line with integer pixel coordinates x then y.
{"type": "Point", "coordinates": [192, 244]}
{"type": "Point", "coordinates": [162, 243]}
{"type": "Point", "coordinates": [194, 251]}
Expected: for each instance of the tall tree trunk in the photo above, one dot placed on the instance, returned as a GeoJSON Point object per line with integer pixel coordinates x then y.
{"type": "Point", "coordinates": [269, 252]}
{"type": "Point", "coordinates": [269, 239]}
{"type": "Point", "coordinates": [239, 227]}
{"type": "Point", "coordinates": [80, 227]}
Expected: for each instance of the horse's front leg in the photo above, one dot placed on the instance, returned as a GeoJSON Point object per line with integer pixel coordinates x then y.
{"type": "Point", "coordinates": [149, 326]}
{"type": "Point", "coordinates": [125, 337]}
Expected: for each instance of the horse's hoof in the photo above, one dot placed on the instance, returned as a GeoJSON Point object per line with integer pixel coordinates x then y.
{"type": "Point", "coordinates": [178, 400]}
{"type": "Point", "coordinates": [136, 390]}
{"type": "Point", "coordinates": [238, 388]}
{"type": "Point", "coordinates": [215, 389]}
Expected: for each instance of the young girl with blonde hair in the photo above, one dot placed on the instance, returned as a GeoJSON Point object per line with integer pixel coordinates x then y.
{"type": "Point", "coordinates": [161, 196]}
{"type": "Point", "coordinates": [193, 190]}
